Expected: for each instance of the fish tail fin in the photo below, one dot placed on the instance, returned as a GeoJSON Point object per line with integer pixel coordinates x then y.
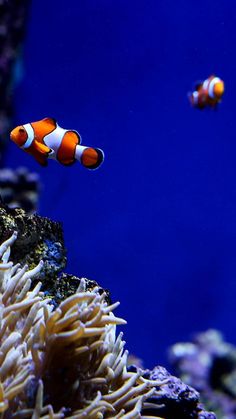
{"type": "Point", "coordinates": [89, 157]}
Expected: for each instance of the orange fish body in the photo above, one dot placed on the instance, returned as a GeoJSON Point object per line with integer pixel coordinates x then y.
{"type": "Point", "coordinates": [207, 93]}
{"type": "Point", "coordinates": [46, 139]}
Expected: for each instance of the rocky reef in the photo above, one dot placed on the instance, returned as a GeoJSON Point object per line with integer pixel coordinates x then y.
{"type": "Point", "coordinates": [38, 239]}
{"type": "Point", "coordinates": [177, 399]}
{"type": "Point", "coordinates": [208, 363]}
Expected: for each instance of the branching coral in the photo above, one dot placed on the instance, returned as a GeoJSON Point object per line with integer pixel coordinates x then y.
{"type": "Point", "coordinates": [68, 360]}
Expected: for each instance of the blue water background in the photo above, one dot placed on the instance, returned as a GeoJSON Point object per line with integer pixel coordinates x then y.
{"type": "Point", "coordinates": [157, 223]}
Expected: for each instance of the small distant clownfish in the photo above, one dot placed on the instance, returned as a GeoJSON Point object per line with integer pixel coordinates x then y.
{"type": "Point", "coordinates": [207, 93]}
{"type": "Point", "coordinates": [46, 140]}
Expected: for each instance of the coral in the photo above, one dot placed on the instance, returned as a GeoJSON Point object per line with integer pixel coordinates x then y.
{"type": "Point", "coordinates": [38, 239]}
{"type": "Point", "coordinates": [20, 188]}
{"type": "Point", "coordinates": [177, 400]}
{"type": "Point", "coordinates": [41, 239]}
{"type": "Point", "coordinates": [209, 364]}
{"type": "Point", "coordinates": [68, 361]}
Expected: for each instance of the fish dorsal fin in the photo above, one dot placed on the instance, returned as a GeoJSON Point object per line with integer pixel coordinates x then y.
{"type": "Point", "coordinates": [41, 159]}
{"type": "Point", "coordinates": [50, 121]}
{"type": "Point", "coordinates": [197, 85]}
{"type": "Point", "coordinates": [42, 148]}
{"type": "Point", "coordinates": [79, 138]}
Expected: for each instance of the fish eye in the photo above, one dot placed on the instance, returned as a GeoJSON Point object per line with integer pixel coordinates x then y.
{"type": "Point", "coordinates": [21, 130]}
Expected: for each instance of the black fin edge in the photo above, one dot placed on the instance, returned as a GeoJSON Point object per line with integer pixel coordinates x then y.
{"type": "Point", "coordinates": [100, 160]}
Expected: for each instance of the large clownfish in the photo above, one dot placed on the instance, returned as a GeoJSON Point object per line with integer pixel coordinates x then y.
{"type": "Point", "coordinates": [46, 140]}
{"type": "Point", "coordinates": [207, 93]}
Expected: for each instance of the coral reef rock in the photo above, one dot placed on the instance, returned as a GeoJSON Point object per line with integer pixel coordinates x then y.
{"type": "Point", "coordinates": [209, 364]}
{"type": "Point", "coordinates": [38, 239]}
{"type": "Point", "coordinates": [66, 285]}
{"type": "Point", "coordinates": [176, 400]}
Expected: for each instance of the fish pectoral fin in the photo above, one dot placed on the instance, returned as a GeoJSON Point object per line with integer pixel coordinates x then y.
{"type": "Point", "coordinates": [197, 85]}
{"type": "Point", "coordinates": [42, 148]}
{"type": "Point", "coordinates": [41, 159]}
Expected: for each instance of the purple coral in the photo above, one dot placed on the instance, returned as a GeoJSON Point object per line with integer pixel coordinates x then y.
{"type": "Point", "coordinates": [174, 399]}
{"type": "Point", "coordinates": [208, 364]}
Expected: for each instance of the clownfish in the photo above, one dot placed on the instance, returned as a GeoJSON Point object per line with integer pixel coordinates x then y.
{"type": "Point", "coordinates": [46, 140]}
{"type": "Point", "coordinates": [207, 93]}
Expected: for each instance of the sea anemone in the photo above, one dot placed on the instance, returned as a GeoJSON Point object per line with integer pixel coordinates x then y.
{"type": "Point", "coordinates": [66, 360]}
